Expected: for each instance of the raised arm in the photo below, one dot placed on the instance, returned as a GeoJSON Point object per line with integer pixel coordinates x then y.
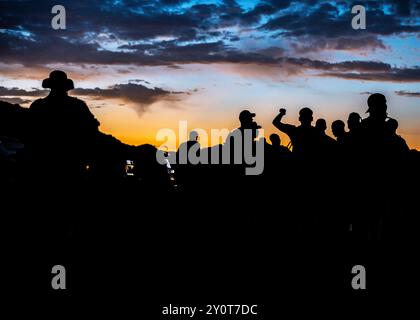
{"type": "Point", "coordinates": [283, 127]}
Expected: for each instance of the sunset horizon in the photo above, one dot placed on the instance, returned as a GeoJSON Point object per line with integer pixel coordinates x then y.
{"type": "Point", "coordinates": [204, 61]}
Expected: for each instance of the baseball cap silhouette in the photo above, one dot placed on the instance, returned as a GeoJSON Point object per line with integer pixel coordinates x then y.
{"type": "Point", "coordinates": [376, 102]}
{"type": "Point", "coordinates": [246, 115]}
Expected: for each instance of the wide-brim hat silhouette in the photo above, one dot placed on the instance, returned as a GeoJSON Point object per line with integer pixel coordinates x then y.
{"type": "Point", "coordinates": [58, 80]}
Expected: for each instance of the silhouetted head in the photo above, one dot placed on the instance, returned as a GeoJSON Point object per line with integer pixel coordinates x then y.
{"type": "Point", "coordinates": [305, 116]}
{"type": "Point", "coordinates": [247, 122]}
{"type": "Point", "coordinates": [392, 125]}
{"type": "Point", "coordinates": [377, 106]}
{"type": "Point", "coordinates": [193, 136]}
{"type": "Point", "coordinates": [58, 82]}
{"type": "Point", "coordinates": [321, 125]}
{"type": "Point", "coordinates": [275, 140]}
{"type": "Point", "coordinates": [353, 121]}
{"type": "Point", "coordinates": [246, 117]}
{"type": "Point", "coordinates": [337, 128]}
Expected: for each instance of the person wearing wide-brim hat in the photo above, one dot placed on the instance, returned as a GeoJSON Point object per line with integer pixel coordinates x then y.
{"type": "Point", "coordinates": [61, 125]}
{"type": "Point", "coordinates": [58, 81]}
{"type": "Point", "coordinates": [60, 111]}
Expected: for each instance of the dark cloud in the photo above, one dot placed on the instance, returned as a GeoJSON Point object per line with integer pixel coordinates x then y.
{"type": "Point", "coordinates": [137, 95]}
{"type": "Point", "coordinates": [21, 92]}
{"type": "Point", "coordinates": [344, 66]}
{"type": "Point", "coordinates": [334, 19]}
{"type": "Point", "coordinates": [327, 25]}
{"type": "Point", "coordinates": [279, 4]}
{"type": "Point", "coordinates": [408, 94]}
{"type": "Point", "coordinates": [254, 16]}
{"type": "Point", "coordinates": [356, 70]}
{"type": "Point", "coordinates": [175, 32]}
{"type": "Point", "coordinates": [394, 75]}
{"type": "Point", "coordinates": [15, 100]}
{"type": "Point", "coordinates": [402, 7]}
{"type": "Point", "coordinates": [341, 43]}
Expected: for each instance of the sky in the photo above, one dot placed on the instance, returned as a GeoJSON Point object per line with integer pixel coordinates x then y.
{"type": "Point", "coordinates": [142, 66]}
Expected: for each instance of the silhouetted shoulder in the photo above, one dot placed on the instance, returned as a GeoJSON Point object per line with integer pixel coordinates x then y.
{"type": "Point", "coordinates": [77, 101]}
{"type": "Point", "coordinates": [48, 100]}
{"type": "Point", "coordinates": [80, 104]}
{"type": "Point", "coordinates": [84, 110]}
{"type": "Point", "coordinates": [38, 103]}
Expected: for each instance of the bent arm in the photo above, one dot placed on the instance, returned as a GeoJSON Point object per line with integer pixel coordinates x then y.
{"type": "Point", "coordinates": [283, 127]}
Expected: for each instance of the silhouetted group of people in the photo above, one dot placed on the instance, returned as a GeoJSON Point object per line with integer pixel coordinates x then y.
{"type": "Point", "coordinates": [356, 168]}
{"type": "Point", "coordinates": [374, 136]}
{"type": "Point", "coordinates": [60, 134]}
{"type": "Point", "coordinates": [348, 192]}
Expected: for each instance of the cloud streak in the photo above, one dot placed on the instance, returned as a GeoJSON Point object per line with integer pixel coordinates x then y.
{"type": "Point", "coordinates": [138, 96]}
{"type": "Point", "coordinates": [394, 75]}
{"type": "Point", "coordinates": [408, 94]}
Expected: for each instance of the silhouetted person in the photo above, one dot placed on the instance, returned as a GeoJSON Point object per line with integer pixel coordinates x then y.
{"type": "Point", "coordinates": [375, 158]}
{"type": "Point", "coordinates": [276, 144]}
{"type": "Point", "coordinates": [245, 134]}
{"type": "Point", "coordinates": [276, 156]}
{"type": "Point", "coordinates": [354, 137]}
{"type": "Point", "coordinates": [342, 138]}
{"type": "Point", "coordinates": [397, 143]}
{"type": "Point", "coordinates": [374, 132]}
{"type": "Point", "coordinates": [353, 122]}
{"type": "Point", "coordinates": [305, 138]}
{"type": "Point", "coordinates": [185, 148]}
{"type": "Point", "coordinates": [246, 118]}
{"type": "Point", "coordinates": [275, 140]}
{"type": "Point", "coordinates": [321, 125]}
{"type": "Point", "coordinates": [187, 169]}
{"type": "Point", "coordinates": [62, 130]}
{"type": "Point", "coordinates": [327, 144]}
{"type": "Point", "coordinates": [61, 138]}
{"type": "Point", "coordinates": [339, 131]}
{"type": "Point", "coordinates": [377, 109]}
